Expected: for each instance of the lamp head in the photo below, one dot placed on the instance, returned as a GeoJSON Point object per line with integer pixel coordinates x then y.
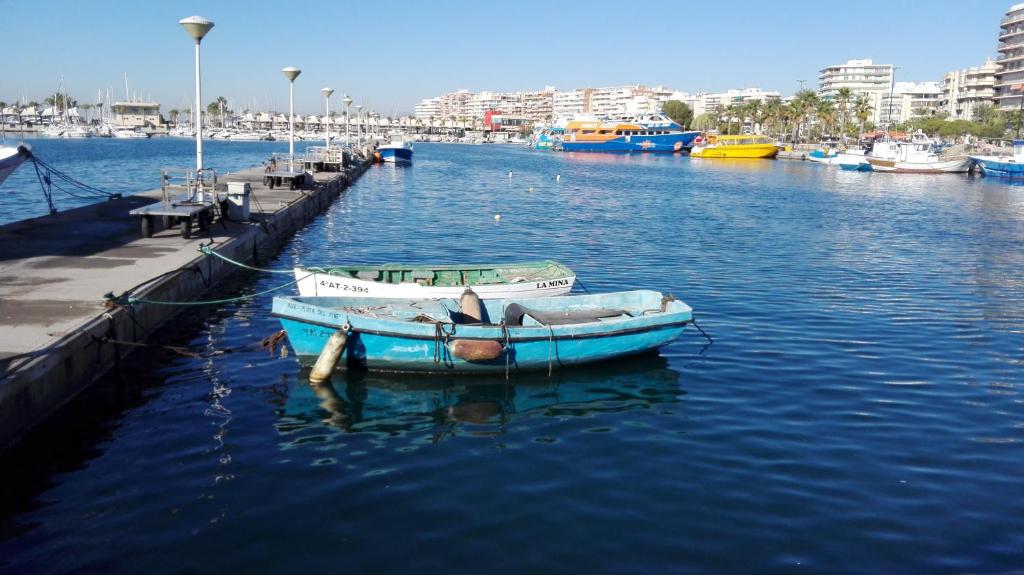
{"type": "Point", "coordinates": [347, 100]}
{"type": "Point", "coordinates": [327, 92]}
{"type": "Point", "coordinates": [196, 26]}
{"type": "Point", "coordinates": [291, 73]}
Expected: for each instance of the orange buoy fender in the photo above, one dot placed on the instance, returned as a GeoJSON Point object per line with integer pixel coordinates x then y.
{"type": "Point", "coordinates": [475, 349]}
{"type": "Point", "coordinates": [377, 157]}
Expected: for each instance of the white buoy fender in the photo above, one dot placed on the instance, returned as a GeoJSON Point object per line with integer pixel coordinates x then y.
{"type": "Point", "coordinates": [469, 303]}
{"type": "Point", "coordinates": [329, 356]}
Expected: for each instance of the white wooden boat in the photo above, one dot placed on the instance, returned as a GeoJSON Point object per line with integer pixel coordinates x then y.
{"type": "Point", "coordinates": [918, 157]}
{"type": "Point", "coordinates": [489, 281]}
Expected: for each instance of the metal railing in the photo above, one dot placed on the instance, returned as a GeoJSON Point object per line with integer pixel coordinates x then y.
{"type": "Point", "coordinates": [200, 187]}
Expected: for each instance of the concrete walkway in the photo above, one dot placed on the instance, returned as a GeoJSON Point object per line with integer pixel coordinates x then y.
{"type": "Point", "coordinates": [56, 269]}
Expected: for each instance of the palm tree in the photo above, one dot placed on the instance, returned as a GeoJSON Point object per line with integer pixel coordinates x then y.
{"type": "Point", "coordinates": [861, 111]}
{"type": "Point", "coordinates": [173, 114]}
{"type": "Point", "coordinates": [725, 114]}
{"type": "Point", "coordinates": [218, 107]}
{"type": "Point", "coordinates": [826, 113]}
{"type": "Point", "coordinates": [754, 110]}
{"type": "Point", "coordinates": [843, 97]}
{"type": "Point", "coordinates": [771, 114]}
{"type": "Point", "coordinates": [803, 104]}
{"type": "Point", "coordinates": [87, 108]}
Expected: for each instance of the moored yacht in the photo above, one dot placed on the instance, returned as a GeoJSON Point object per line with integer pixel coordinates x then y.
{"type": "Point", "coordinates": [644, 133]}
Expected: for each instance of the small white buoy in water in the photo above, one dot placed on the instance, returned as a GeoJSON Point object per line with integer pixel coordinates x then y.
{"type": "Point", "coordinates": [510, 174]}
{"type": "Point", "coordinates": [531, 188]}
{"type": "Point", "coordinates": [497, 217]}
{"type": "Point", "coordinates": [558, 177]}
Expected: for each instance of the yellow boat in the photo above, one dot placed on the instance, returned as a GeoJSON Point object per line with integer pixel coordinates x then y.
{"type": "Point", "coordinates": [742, 146]}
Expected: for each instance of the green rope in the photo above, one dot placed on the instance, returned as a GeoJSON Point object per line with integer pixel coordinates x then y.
{"type": "Point", "coordinates": [207, 250]}
{"type": "Point", "coordinates": [134, 300]}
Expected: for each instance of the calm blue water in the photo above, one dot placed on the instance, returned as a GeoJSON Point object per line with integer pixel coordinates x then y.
{"type": "Point", "coordinates": [119, 166]}
{"type": "Point", "coordinates": [859, 412]}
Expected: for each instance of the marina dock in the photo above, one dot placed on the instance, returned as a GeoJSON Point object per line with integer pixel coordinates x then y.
{"type": "Point", "coordinates": [62, 329]}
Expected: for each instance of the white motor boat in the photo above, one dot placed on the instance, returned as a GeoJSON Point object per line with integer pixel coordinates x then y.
{"type": "Point", "coordinates": [128, 133]}
{"type": "Point", "coordinates": [918, 156]}
{"type": "Point", "coordinates": [11, 157]}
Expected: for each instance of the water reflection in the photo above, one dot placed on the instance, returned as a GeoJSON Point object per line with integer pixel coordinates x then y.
{"type": "Point", "coordinates": [734, 164]}
{"type": "Point", "coordinates": [395, 405]}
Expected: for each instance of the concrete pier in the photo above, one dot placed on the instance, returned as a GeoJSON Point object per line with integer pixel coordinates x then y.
{"type": "Point", "coordinates": [59, 334]}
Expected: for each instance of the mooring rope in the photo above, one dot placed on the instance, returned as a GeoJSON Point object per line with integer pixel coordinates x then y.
{"type": "Point", "coordinates": [205, 249]}
{"type": "Point", "coordinates": [131, 300]}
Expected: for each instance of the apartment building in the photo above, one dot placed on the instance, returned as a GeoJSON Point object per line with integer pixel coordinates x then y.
{"type": "Point", "coordinates": [964, 90]}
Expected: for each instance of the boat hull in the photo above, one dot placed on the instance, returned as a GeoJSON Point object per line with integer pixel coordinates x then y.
{"type": "Point", "coordinates": [520, 282]}
{"type": "Point", "coordinates": [655, 143]}
{"type": "Point", "coordinates": [395, 155]}
{"type": "Point", "coordinates": [954, 166]}
{"type": "Point", "coordinates": [1000, 167]}
{"type": "Point", "coordinates": [10, 158]}
{"type": "Point", "coordinates": [753, 151]}
{"type": "Point", "coordinates": [420, 345]}
{"type": "Point", "coordinates": [822, 157]}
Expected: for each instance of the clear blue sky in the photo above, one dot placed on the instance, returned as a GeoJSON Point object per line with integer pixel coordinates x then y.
{"type": "Point", "coordinates": [389, 55]}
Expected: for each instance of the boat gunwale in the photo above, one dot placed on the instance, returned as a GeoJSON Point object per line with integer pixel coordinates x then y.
{"type": "Point", "coordinates": [546, 336]}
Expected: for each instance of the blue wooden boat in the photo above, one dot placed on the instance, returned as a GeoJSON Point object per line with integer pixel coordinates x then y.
{"type": "Point", "coordinates": [514, 335]}
{"type": "Point", "coordinates": [1011, 167]}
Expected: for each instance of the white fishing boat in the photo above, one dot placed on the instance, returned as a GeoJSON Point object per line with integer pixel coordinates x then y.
{"type": "Point", "coordinates": [246, 136]}
{"type": "Point", "coordinates": [128, 133]}
{"type": "Point", "coordinates": [918, 156]}
{"type": "Point", "coordinates": [397, 151]}
{"type": "Point", "coordinates": [11, 157]}
{"type": "Point", "coordinates": [523, 279]}
{"type": "Point", "coordinates": [74, 132]}
{"type": "Point", "coordinates": [52, 131]}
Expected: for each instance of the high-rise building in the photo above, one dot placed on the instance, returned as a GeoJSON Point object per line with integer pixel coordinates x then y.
{"type": "Point", "coordinates": [964, 90]}
{"type": "Point", "coordinates": [1009, 75]}
{"type": "Point", "coordinates": [863, 78]}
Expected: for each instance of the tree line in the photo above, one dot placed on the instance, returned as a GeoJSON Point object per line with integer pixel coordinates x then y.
{"type": "Point", "coordinates": [809, 117]}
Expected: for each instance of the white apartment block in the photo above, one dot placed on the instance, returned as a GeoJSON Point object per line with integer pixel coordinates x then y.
{"type": "Point", "coordinates": [863, 78]}
{"type": "Point", "coordinates": [910, 100]}
{"type": "Point", "coordinates": [428, 108]}
{"type": "Point", "coordinates": [712, 103]}
{"type": "Point", "coordinates": [539, 105]}
{"type": "Point", "coordinates": [568, 103]}
{"type": "Point", "coordinates": [964, 90]}
{"type": "Point", "coordinates": [1009, 76]}
{"type": "Point", "coordinates": [548, 104]}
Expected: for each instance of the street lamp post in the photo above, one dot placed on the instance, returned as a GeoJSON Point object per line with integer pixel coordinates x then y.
{"type": "Point", "coordinates": [359, 130]}
{"type": "Point", "coordinates": [197, 27]}
{"type": "Point", "coordinates": [348, 102]}
{"type": "Point", "coordinates": [327, 110]}
{"type": "Point", "coordinates": [291, 73]}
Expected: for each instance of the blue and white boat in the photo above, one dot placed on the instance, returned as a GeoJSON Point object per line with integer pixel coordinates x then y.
{"type": "Point", "coordinates": [545, 138]}
{"type": "Point", "coordinates": [397, 151]}
{"type": "Point", "coordinates": [513, 334]}
{"type": "Point", "coordinates": [644, 133]}
{"type": "Point", "coordinates": [11, 157]}
{"type": "Point", "coordinates": [1011, 167]}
